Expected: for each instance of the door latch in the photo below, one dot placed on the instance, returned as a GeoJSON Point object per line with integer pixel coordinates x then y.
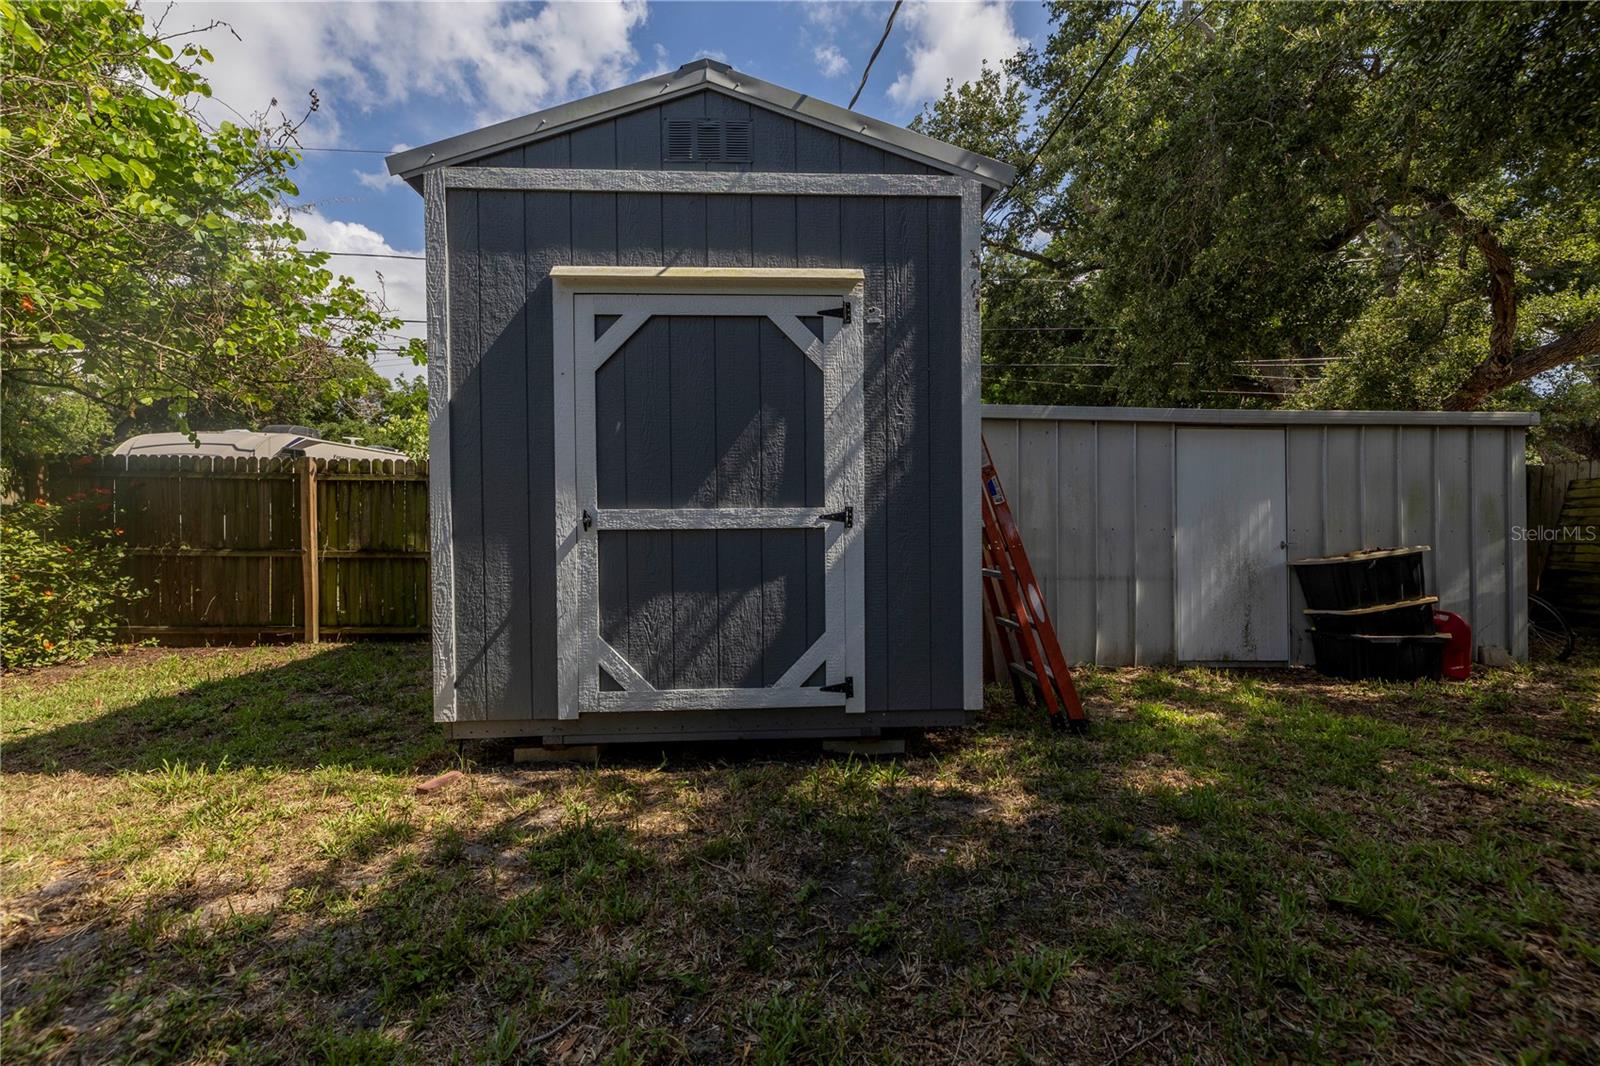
{"type": "Point", "coordinates": [588, 520]}
{"type": "Point", "coordinates": [847, 687]}
{"type": "Point", "coordinates": [847, 516]}
{"type": "Point", "coordinates": [842, 313]}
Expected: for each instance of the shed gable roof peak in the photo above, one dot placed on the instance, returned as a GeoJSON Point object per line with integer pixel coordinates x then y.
{"type": "Point", "coordinates": [698, 76]}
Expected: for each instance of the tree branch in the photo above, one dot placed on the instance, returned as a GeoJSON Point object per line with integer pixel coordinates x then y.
{"type": "Point", "coordinates": [1491, 374]}
{"type": "Point", "coordinates": [1045, 260]}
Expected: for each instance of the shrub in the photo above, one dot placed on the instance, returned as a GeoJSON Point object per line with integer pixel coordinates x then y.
{"type": "Point", "coordinates": [62, 591]}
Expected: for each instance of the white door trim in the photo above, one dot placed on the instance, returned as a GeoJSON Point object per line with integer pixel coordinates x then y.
{"type": "Point", "coordinates": [581, 296]}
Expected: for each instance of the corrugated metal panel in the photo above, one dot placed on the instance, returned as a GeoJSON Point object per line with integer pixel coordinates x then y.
{"type": "Point", "coordinates": [1095, 496]}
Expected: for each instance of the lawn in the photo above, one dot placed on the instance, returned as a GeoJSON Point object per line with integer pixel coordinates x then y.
{"type": "Point", "coordinates": [220, 855]}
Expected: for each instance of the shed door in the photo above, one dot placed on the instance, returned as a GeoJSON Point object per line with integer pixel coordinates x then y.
{"type": "Point", "coordinates": [1230, 556]}
{"type": "Point", "coordinates": [718, 479]}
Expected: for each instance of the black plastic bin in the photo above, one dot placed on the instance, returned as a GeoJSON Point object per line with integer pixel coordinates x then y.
{"type": "Point", "coordinates": [1406, 618]}
{"type": "Point", "coordinates": [1363, 578]}
{"type": "Point", "coordinates": [1363, 656]}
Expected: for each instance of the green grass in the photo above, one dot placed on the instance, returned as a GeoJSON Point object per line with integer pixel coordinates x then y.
{"type": "Point", "coordinates": [219, 856]}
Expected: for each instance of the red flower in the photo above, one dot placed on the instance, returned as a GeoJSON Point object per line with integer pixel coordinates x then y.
{"type": "Point", "coordinates": [119, 531]}
{"type": "Point", "coordinates": [48, 593]}
{"type": "Point", "coordinates": [41, 502]}
{"type": "Point", "coordinates": [29, 306]}
{"type": "Point", "coordinates": [67, 548]}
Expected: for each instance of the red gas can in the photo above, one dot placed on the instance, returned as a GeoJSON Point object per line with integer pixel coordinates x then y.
{"type": "Point", "coordinates": [1458, 653]}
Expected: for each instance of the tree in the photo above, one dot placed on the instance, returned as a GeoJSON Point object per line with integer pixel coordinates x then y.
{"type": "Point", "coordinates": [150, 265]}
{"type": "Point", "coordinates": [1247, 197]}
{"type": "Point", "coordinates": [389, 414]}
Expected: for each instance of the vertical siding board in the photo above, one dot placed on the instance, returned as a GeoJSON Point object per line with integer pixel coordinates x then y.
{"type": "Point", "coordinates": [816, 150]}
{"type": "Point", "coordinates": [547, 219]}
{"type": "Point", "coordinates": [694, 463]}
{"type": "Point", "coordinates": [1152, 546]}
{"type": "Point", "coordinates": [551, 152]}
{"type": "Point", "coordinates": [738, 484]}
{"type": "Point", "coordinates": [683, 230]}
{"type": "Point", "coordinates": [638, 136]}
{"type": "Point", "coordinates": [1075, 609]}
{"type": "Point", "coordinates": [728, 233]}
{"type": "Point", "coordinates": [1343, 489]}
{"type": "Point", "coordinates": [773, 140]}
{"type": "Point", "coordinates": [861, 245]}
{"type": "Point", "coordinates": [774, 237]}
{"type": "Point", "coordinates": [907, 433]}
{"type": "Point", "coordinates": [1118, 526]}
{"type": "Point", "coordinates": [466, 458]}
{"type": "Point", "coordinates": [948, 489]}
{"type": "Point", "coordinates": [646, 361]}
{"type": "Point", "coordinates": [1416, 495]}
{"type": "Point", "coordinates": [640, 229]}
{"type": "Point", "coordinates": [1380, 518]}
{"type": "Point", "coordinates": [1036, 486]}
{"type": "Point", "coordinates": [1516, 560]}
{"type": "Point", "coordinates": [1489, 536]}
{"type": "Point", "coordinates": [1452, 539]}
{"type": "Point", "coordinates": [1303, 466]}
{"type": "Point", "coordinates": [507, 549]}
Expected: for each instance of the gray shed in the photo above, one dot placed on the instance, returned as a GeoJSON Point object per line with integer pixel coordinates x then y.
{"type": "Point", "coordinates": [703, 379]}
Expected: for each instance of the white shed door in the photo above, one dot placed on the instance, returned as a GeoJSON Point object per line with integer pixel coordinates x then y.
{"type": "Point", "coordinates": [717, 556]}
{"type": "Point", "coordinates": [1231, 557]}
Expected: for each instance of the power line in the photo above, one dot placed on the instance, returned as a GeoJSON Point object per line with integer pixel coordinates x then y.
{"type": "Point", "coordinates": [362, 255]}
{"type": "Point", "coordinates": [350, 151]}
{"type": "Point", "coordinates": [887, 26]}
{"type": "Point", "coordinates": [1066, 114]}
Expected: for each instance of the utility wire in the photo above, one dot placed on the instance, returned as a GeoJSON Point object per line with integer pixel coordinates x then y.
{"type": "Point", "coordinates": [1072, 106]}
{"type": "Point", "coordinates": [887, 26]}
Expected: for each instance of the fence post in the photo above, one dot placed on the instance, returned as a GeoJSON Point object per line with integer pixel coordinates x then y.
{"type": "Point", "coordinates": [309, 562]}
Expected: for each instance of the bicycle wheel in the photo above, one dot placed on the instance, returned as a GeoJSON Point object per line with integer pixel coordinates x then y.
{"type": "Point", "coordinates": [1549, 636]}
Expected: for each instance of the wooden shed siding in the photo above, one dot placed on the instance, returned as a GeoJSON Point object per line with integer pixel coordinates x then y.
{"type": "Point", "coordinates": [909, 250]}
{"type": "Point", "coordinates": [777, 143]}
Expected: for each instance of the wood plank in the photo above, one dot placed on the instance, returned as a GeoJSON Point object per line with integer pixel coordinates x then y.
{"type": "Point", "coordinates": [786, 452]}
{"type": "Point", "coordinates": [503, 333]}
{"type": "Point", "coordinates": [907, 435]}
{"type": "Point", "coordinates": [950, 478]}
{"type": "Point", "coordinates": [862, 246]}
{"type": "Point", "coordinates": [466, 455]}
{"type": "Point", "coordinates": [693, 451]}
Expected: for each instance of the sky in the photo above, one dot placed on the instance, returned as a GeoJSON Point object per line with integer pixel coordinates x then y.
{"type": "Point", "coordinates": [392, 75]}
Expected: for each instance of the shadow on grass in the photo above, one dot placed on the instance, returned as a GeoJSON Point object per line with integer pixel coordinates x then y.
{"type": "Point", "coordinates": [1195, 879]}
{"type": "Point", "coordinates": [362, 705]}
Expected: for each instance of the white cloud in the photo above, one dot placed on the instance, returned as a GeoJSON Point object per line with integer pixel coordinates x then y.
{"type": "Point", "coordinates": [830, 61]}
{"type": "Point", "coordinates": [400, 283]}
{"type": "Point", "coordinates": [497, 59]}
{"type": "Point", "coordinates": [380, 180]}
{"type": "Point", "coordinates": [951, 41]}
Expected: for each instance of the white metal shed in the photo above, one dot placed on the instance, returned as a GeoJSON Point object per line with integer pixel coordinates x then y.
{"type": "Point", "coordinates": [1163, 535]}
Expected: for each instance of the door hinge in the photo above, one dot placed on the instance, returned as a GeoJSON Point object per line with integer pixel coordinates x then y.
{"type": "Point", "coordinates": [588, 520]}
{"type": "Point", "coordinates": [842, 313]}
{"type": "Point", "coordinates": [847, 687]}
{"type": "Point", "coordinates": [847, 516]}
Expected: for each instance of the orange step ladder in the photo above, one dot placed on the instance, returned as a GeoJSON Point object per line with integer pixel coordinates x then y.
{"type": "Point", "coordinates": [1016, 603]}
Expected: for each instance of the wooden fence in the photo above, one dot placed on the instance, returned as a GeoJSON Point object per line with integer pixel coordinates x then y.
{"type": "Point", "coordinates": [236, 548]}
{"type": "Point", "coordinates": [1547, 493]}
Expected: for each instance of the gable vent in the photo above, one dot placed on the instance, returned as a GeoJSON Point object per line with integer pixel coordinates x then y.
{"type": "Point", "coordinates": [706, 140]}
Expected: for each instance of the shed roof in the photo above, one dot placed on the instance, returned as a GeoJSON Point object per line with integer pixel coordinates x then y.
{"type": "Point", "coordinates": [694, 77]}
{"type": "Point", "coordinates": [246, 444]}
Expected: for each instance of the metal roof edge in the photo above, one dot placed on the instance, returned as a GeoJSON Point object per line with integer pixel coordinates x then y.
{"type": "Point", "coordinates": [692, 77]}
{"type": "Point", "coordinates": [1213, 417]}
